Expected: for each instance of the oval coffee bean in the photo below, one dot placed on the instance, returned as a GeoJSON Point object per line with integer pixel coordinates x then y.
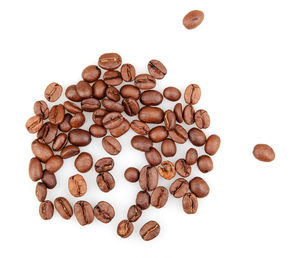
{"type": "Point", "coordinates": [212, 144]}
{"type": "Point", "coordinates": [34, 124]}
{"type": "Point", "coordinates": [202, 119]}
{"type": "Point", "coordinates": [49, 179]}
{"type": "Point", "coordinates": [262, 152]}
{"type": "Point", "coordinates": [77, 120]}
{"type": "Point", "coordinates": [205, 164]}
{"type": "Point", "coordinates": [134, 213]}
{"type": "Point", "coordinates": [143, 200]}
{"type": "Point", "coordinates": [112, 93]}
{"type": "Point", "coordinates": [125, 228]}
{"type": "Point", "coordinates": [69, 151]}
{"type": "Point", "coordinates": [84, 89]}
{"type": "Point", "coordinates": [71, 107]}
{"type": "Point", "coordinates": [54, 164]}
{"type": "Point", "coordinates": [197, 137]}
{"type": "Point", "coordinates": [132, 174]}
{"type": "Point", "coordinates": [178, 134]}
{"type": "Point", "coordinates": [121, 129]}
{"type": "Point", "coordinates": [141, 143]}
{"type": "Point", "coordinates": [167, 170]}
{"type": "Point", "coordinates": [91, 73]}
{"type": "Point", "coordinates": [140, 127]}
{"type": "Point", "coordinates": [104, 165]}
{"type": "Point", "coordinates": [179, 187]}
{"type": "Point", "coordinates": [191, 156]}
{"type": "Point", "coordinates": [42, 151]}
{"type": "Point", "coordinates": [112, 106]}
{"type": "Point", "coordinates": [112, 120]}
{"type": "Point", "coordinates": [128, 72]}
{"type": "Point", "coordinates": [199, 187]}
{"type": "Point", "coordinates": [150, 230]}
{"type": "Point", "coordinates": [77, 185]}
{"type": "Point", "coordinates": [98, 116]}
{"type": "Point", "coordinates": [151, 115]}
{"type": "Point", "coordinates": [72, 94]}
{"type": "Point", "coordinates": [128, 90]}
{"type": "Point", "coordinates": [53, 92]}
{"type": "Point", "coordinates": [47, 133]}
{"type": "Point", "coordinates": [192, 94]}
{"type": "Point", "coordinates": [151, 98]}
{"type": "Point", "coordinates": [110, 61]}
{"type": "Point", "coordinates": [148, 178]}
{"type": "Point", "coordinates": [172, 93]}
{"type": "Point", "coordinates": [178, 112]}
{"type": "Point", "coordinates": [111, 145]}
{"type": "Point", "coordinates": [157, 69]}
{"type": "Point", "coordinates": [104, 212]}
{"type": "Point", "coordinates": [57, 114]}
{"type": "Point", "coordinates": [79, 137]}
{"type": "Point", "coordinates": [60, 142]}
{"type": "Point", "coordinates": [40, 108]}
{"type": "Point", "coordinates": [46, 210]}
{"type": "Point", "coordinates": [188, 114]}
{"type": "Point", "coordinates": [182, 168]}
{"type": "Point", "coordinates": [97, 131]}
{"type": "Point", "coordinates": [131, 106]}
{"type": "Point", "coordinates": [153, 157]}
{"type": "Point", "coordinates": [84, 162]}
{"type": "Point", "coordinates": [35, 169]}
{"type": "Point", "coordinates": [99, 89]}
{"type": "Point", "coordinates": [112, 78]}
{"type": "Point", "coordinates": [41, 191]}
{"type": "Point", "coordinates": [105, 181]}
{"type": "Point", "coordinates": [193, 19]}
{"type": "Point", "coordinates": [169, 120]}
{"type": "Point", "coordinates": [158, 133]}
{"type": "Point", "coordinates": [168, 148]}
{"type": "Point", "coordinates": [65, 125]}
{"type": "Point", "coordinates": [144, 82]}
{"type": "Point", "coordinates": [190, 203]}
{"type": "Point", "coordinates": [84, 213]}
{"type": "Point", "coordinates": [63, 207]}
{"type": "Point", "coordinates": [90, 104]}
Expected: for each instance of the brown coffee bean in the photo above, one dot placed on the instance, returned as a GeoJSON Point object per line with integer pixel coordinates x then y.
{"type": "Point", "coordinates": [205, 164]}
{"type": "Point", "coordinates": [40, 108]}
{"type": "Point", "coordinates": [132, 174]}
{"type": "Point", "coordinates": [167, 170]}
{"type": "Point", "coordinates": [71, 107]}
{"type": "Point", "coordinates": [121, 129]}
{"type": "Point", "coordinates": [178, 134]}
{"type": "Point", "coordinates": [112, 78]}
{"type": "Point", "coordinates": [168, 148]}
{"type": "Point", "coordinates": [197, 137]}
{"type": "Point", "coordinates": [84, 162]}
{"type": "Point", "coordinates": [41, 191]}
{"type": "Point", "coordinates": [140, 127]}
{"type": "Point", "coordinates": [77, 185]}
{"type": "Point", "coordinates": [57, 114]}
{"type": "Point", "coordinates": [60, 142]}
{"type": "Point", "coordinates": [54, 164]}
{"type": "Point", "coordinates": [169, 120]}
{"type": "Point", "coordinates": [125, 228]}
{"type": "Point", "coordinates": [112, 120]}
{"type": "Point", "coordinates": [35, 169]}
{"type": "Point", "coordinates": [79, 137]}
{"type": "Point", "coordinates": [128, 72]}
{"type": "Point", "coordinates": [110, 61]}
{"type": "Point", "coordinates": [202, 119]}
{"type": "Point", "coordinates": [262, 152]}
{"type": "Point", "coordinates": [157, 69]}
{"type": "Point", "coordinates": [105, 181]}
{"type": "Point", "coordinates": [72, 94]}
{"type": "Point", "coordinates": [97, 131]}
{"type": "Point", "coordinates": [69, 151]}
{"type": "Point", "coordinates": [91, 73]}
{"type": "Point", "coordinates": [151, 98]}
{"type": "Point", "coordinates": [158, 133]}
{"type": "Point", "coordinates": [172, 93]}
{"type": "Point", "coordinates": [134, 213]}
{"type": "Point", "coordinates": [199, 187]}
{"type": "Point", "coordinates": [178, 112]}
{"type": "Point", "coordinates": [47, 133]}
{"type": "Point", "coordinates": [190, 203]}
{"type": "Point", "coordinates": [153, 157]}
{"type": "Point", "coordinates": [49, 179]}
{"type": "Point", "coordinates": [112, 106]}
{"type": "Point", "coordinates": [148, 178]}
{"type": "Point", "coordinates": [53, 92]}
{"type": "Point", "coordinates": [191, 156]}
{"type": "Point", "coordinates": [84, 89]}
{"type": "Point", "coordinates": [192, 94]}
{"type": "Point", "coordinates": [46, 210]}
{"type": "Point", "coordinates": [145, 81]}
{"type": "Point", "coordinates": [212, 144]}
{"type": "Point", "coordinates": [98, 116]}
{"type": "Point", "coordinates": [141, 143]}
{"type": "Point", "coordinates": [104, 212]}
{"type": "Point", "coordinates": [63, 207]}
{"type": "Point", "coordinates": [83, 213]}
{"type": "Point", "coordinates": [193, 19]}
{"type": "Point", "coordinates": [42, 151]}
{"type": "Point", "coordinates": [65, 125]}
{"type": "Point", "coordinates": [131, 106]}
{"type": "Point", "coordinates": [182, 168]}
{"type": "Point", "coordinates": [153, 115]}
{"type": "Point", "coordinates": [179, 187]}
{"type": "Point", "coordinates": [128, 90]}
{"type": "Point", "coordinates": [111, 145]}
{"type": "Point", "coordinates": [104, 165]}
{"type": "Point", "coordinates": [99, 89]}
{"type": "Point", "coordinates": [143, 200]}
{"type": "Point", "coordinates": [34, 124]}
{"type": "Point", "coordinates": [112, 93]}
{"type": "Point", "coordinates": [150, 230]}
{"type": "Point", "coordinates": [90, 104]}
{"type": "Point", "coordinates": [77, 120]}
{"type": "Point", "coordinates": [188, 114]}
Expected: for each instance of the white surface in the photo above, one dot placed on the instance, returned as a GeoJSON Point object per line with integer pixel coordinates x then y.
{"type": "Point", "coordinates": [245, 56]}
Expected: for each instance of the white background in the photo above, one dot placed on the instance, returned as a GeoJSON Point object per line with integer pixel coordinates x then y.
{"type": "Point", "coordinates": [245, 56]}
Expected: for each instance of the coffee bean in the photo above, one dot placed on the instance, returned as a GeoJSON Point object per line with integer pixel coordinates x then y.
{"type": "Point", "coordinates": [79, 137]}
{"type": "Point", "coordinates": [172, 93]}
{"type": "Point", "coordinates": [60, 142]}
{"type": "Point", "coordinates": [63, 207]}
{"type": "Point", "coordinates": [132, 175]}
{"type": "Point", "coordinates": [57, 114]}
{"type": "Point", "coordinates": [83, 162]}
{"type": "Point", "coordinates": [34, 124]}
{"type": "Point", "coordinates": [192, 94]}
{"type": "Point", "coordinates": [49, 179]}
{"type": "Point", "coordinates": [197, 137]}
{"type": "Point", "coordinates": [54, 164]}
{"type": "Point", "coordinates": [104, 165]}
{"type": "Point", "coordinates": [148, 178]}
{"type": "Point", "coordinates": [104, 212]}
{"type": "Point", "coordinates": [112, 120]}
{"type": "Point", "coordinates": [202, 119]}
{"type": "Point", "coordinates": [46, 210]}
{"type": "Point", "coordinates": [77, 120]}
{"type": "Point", "coordinates": [97, 131]}
{"type": "Point", "coordinates": [125, 228]}
{"type": "Point", "coordinates": [151, 115]}
{"type": "Point", "coordinates": [83, 213]}
{"type": "Point", "coordinates": [168, 148]}
{"type": "Point", "coordinates": [69, 151]}
{"type": "Point", "coordinates": [91, 73]}
{"type": "Point", "coordinates": [153, 157]}
{"type": "Point", "coordinates": [182, 168]}
{"type": "Point", "coordinates": [178, 134]}
{"type": "Point", "coordinates": [35, 169]}
{"type": "Point", "coordinates": [141, 143]}
{"type": "Point", "coordinates": [98, 116]}
{"type": "Point", "coordinates": [179, 187]}
{"type": "Point", "coordinates": [84, 89]}
{"type": "Point", "coordinates": [72, 94]}
{"type": "Point", "coordinates": [199, 187]}
{"type": "Point", "coordinates": [212, 144]}
{"type": "Point", "coordinates": [112, 78]}
{"type": "Point", "coordinates": [150, 230]}
{"type": "Point", "coordinates": [121, 129]}
{"type": "Point", "coordinates": [170, 120]}
{"type": "Point", "coordinates": [77, 185]}
{"type": "Point", "coordinates": [105, 181]}
{"type": "Point", "coordinates": [205, 164]}
{"type": "Point", "coordinates": [53, 92]}
{"type": "Point", "coordinates": [42, 151]}
{"type": "Point", "coordinates": [112, 105]}
{"type": "Point", "coordinates": [159, 197]}
{"type": "Point", "coordinates": [47, 133]}
{"type": "Point", "coordinates": [167, 170]}
{"type": "Point", "coordinates": [134, 213]}
{"type": "Point", "coordinates": [191, 156]}
{"type": "Point", "coordinates": [140, 127]}
{"type": "Point", "coordinates": [151, 98]}
{"type": "Point", "coordinates": [193, 19]}
{"type": "Point", "coordinates": [128, 72]}
{"type": "Point", "coordinates": [40, 108]}
{"type": "Point", "coordinates": [190, 203]}
{"type": "Point", "coordinates": [157, 69]}
{"type": "Point", "coordinates": [188, 114]}
{"type": "Point", "coordinates": [262, 152]}
{"type": "Point", "coordinates": [131, 106]}
{"type": "Point", "coordinates": [130, 91]}
{"type": "Point", "coordinates": [111, 145]}
{"type": "Point", "coordinates": [66, 126]}
{"type": "Point", "coordinates": [90, 104]}
{"type": "Point", "coordinates": [178, 112]}
{"type": "Point", "coordinates": [41, 191]}
{"type": "Point", "coordinates": [158, 133]}
{"type": "Point", "coordinates": [143, 200]}
{"type": "Point", "coordinates": [145, 81]}
{"type": "Point", "coordinates": [99, 89]}
{"type": "Point", "coordinates": [110, 61]}
{"type": "Point", "coordinates": [71, 107]}
{"type": "Point", "coordinates": [112, 93]}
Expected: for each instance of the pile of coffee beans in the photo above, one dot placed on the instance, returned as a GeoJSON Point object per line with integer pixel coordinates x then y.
{"type": "Point", "coordinates": [60, 137]}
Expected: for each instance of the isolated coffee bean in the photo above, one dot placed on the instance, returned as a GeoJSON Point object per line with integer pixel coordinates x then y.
{"type": "Point", "coordinates": [105, 181]}
{"type": "Point", "coordinates": [57, 114]}
{"type": "Point", "coordinates": [41, 191]}
{"type": "Point", "coordinates": [84, 213]}
{"type": "Point", "coordinates": [141, 143]}
{"type": "Point", "coordinates": [148, 178]}
{"type": "Point", "coordinates": [99, 89]}
{"type": "Point", "coordinates": [112, 106]}
{"type": "Point", "coordinates": [97, 131]}
{"type": "Point", "coordinates": [54, 164]}
{"type": "Point", "coordinates": [153, 157]}
{"type": "Point", "coordinates": [42, 151]}
{"type": "Point", "coordinates": [172, 93]}
{"type": "Point", "coordinates": [212, 144]}
{"type": "Point", "coordinates": [150, 230]}
{"type": "Point", "coordinates": [191, 156]}
{"type": "Point", "coordinates": [112, 78]}
{"type": "Point", "coordinates": [178, 112]}
{"type": "Point", "coordinates": [168, 148]}
{"type": "Point", "coordinates": [65, 125]}
{"type": "Point", "coordinates": [202, 119]}
{"type": "Point", "coordinates": [112, 93]}
{"type": "Point", "coordinates": [112, 120]}
{"type": "Point", "coordinates": [77, 185]}
{"type": "Point", "coordinates": [158, 133]}
{"type": "Point", "coordinates": [46, 210]}
{"type": "Point", "coordinates": [205, 164]}
{"type": "Point", "coordinates": [179, 187]}
{"type": "Point", "coordinates": [69, 151]}
{"type": "Point", "coordinates": [190, 203]}
{"type": "Point", "coordinates": [98, 116]}
{"type": "Point", "coordinates": [104, 212]}
{"type": "Point", "coordinates": [193, 19]}
{"type": "Point", "coordinates": [188, 114]}
{"type": "Point", "coordinates": [131, 106]}
{"type": "Point", "coordinates": [84, 89]}
{"type": "Point", "coordinates": [157, 69]}
{"type": "Point", "coordinates": [53, 92]}
{"type": "Point", "coordinates": [159, 197]}
{"type": "Point", "coordinates": [79, 137]}
{"type": "Point", "coordinates": [60, 142]}
{"type": "Point", "coordinates": [91, 73]}
{"type": "Point", "coordinates": [145, 81]}
{"type": "Point", "coordinates": [84, 162]}
{"type": "Point", "coordinates": [169, 120]}
{"type": "Point", "coordinates": [121, 129]}
{"type": "Point", "coordinates": [90, 104]}
{"type": "Point", "coordinates": [128, 90]}
{"type": "Point", "coordinates": [151, 115]}
{"type": "Point", "coordinates": [47, 133]}
{"type": "Point", "coordinates": [140, 127]}
{"type": "Point", "coordinates": [110, 61]}
{"type": "Point", "coordinates": [40, 108]}
{"type": "Point", "coordinates": [49, 179]}
{"type": "Point", "coordinates": [77, 120]}
{"type": "Point", "coordinates": [104, 164]}
{"type": "Point", "coordinates": [197, 137]}
{"type": "Point", "coordinates": [63, 207]}
{"type": "Point", "coordinates": [199, 187]}
{"type": "Point", "coordinates": [128, 72]}
{"type": "Point", "coordinates": [178, 134]}
{"type": "Point", "coordinates": [132, 174]}
{"type": "Point", "coordinates": [262, 152]}
{"type": "Point", "coordinates": [192, 94]}
{"type": "Point", "coordinates": [111, 145]}
{"type": "Point", "coordinates": [143, 200]}
{"type": "Point", "coordinates": [134, 213]}
{"type": "Point", "coordinates": [125, 228]}
{"type": "Point", "coordinates": [151, 98]}
{"type": "Point", "coordinates": [182, 168]}
{"type": "Point", "coordinates": [35, 169]}
{"type": "Point", "coordinates": [72, 94]}
{"type": "Point", "coordinates": [34, 124]}
{"type": "Point", "coordinates": [71, 107]}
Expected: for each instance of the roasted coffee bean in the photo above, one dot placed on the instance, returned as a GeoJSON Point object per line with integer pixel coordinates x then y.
{"type": "Point", "coordinates": [121, 129]}
{"type": "Point", "coordinates": [179, 187]}
{"type": "Point", "coordinates": [130, 91]}
{"type": "Point", "coordinates": [57, 114]}
{"type": "Point", "coordinates": [182, 168]}
{"type": "Point", "coordinates": [34, 124]}
{"type": "Point", "coordinates": [104, 165]}
{"type": "Point", "coordinates": [105, 181]}
{"type": "Point", "coordinates": [188, 114]}
{"type": "Point", "coordinates": [157, 69]}
{"type": "Point", "coordinates": [72, 94]}
{"type": "Point", "coordinates": [151, 115]}
{"type": "Point", "coordinates": [77, 185]}
{"type": "Point", "coordinates": [141, 143]}
{"type": "Point", "coordinates": [46, 210]}
{"type": "Point", "coordinates": [49, 179]}
{"type": "Point", "coordinates": [134, 213]}
{"type": "Point", "coordinates": [69, 151]}
{"type": "Point", "coordinates": [98, 116]}
{"type": "Point", "coordinates": [158, 133]}
{"type": "Point", "coordinates": [178, 112]}
{"type": "Point", "coordinates": [91, 73]}
{"type": "Point", "coordinates": [145, 81]}
{"type": "Point", "coordinates": [169, 120]}
{"type": "Point", "coordinates": [262, 152]}
{"type": "Point", "coordinates": [148, 178]}
{"type": "Point", "coordinates": [84, 89]}
{"type": "Point", "coordinates": [143, 200]}
{"type": "Point", "coordinates": [153, 157]}
{"type": "Point", "coordinates": [197, 137]}
{"type": "Point", "coordinates": [172, 93]}
{"type": "Point", "coordinates": [167, 170]}
{"type": "Point", "coordinates": [111, 145]}
{"type": "Point", "coordinates": [112, 78]}
{"type": "Point", "coordinates": [40, 108]}
{"type": "Point", "coordinates": [125, 228]}
{"type": "Point", "coordinates": [212, 144]}
{"type": "Point", "coordinates": [83, 212]}
{"type": "Point", "coordinates": [79, 137]}
{"type": "Point", "coordinates": [104, 212]}
{"type": "Point", "coordinates": [193, 19]}
{"type": "Point", "coordinates": [53, 92]}
{"type": "Point", "coordinates": [199, 187]}
{"type": "Point", "coordinates": [112, 93]}
{"type": "Point", "coordinates": [112, 105]}
{"type": "Point", "coordinates": [131, 106]}
{"type": "Point", "coordinates": [205, 164]}
{"type": "Point", "coordinates": [35, 169]}
{"type": "Point", "coordinates": [151, 98]}
{"type": "Point", "coordinates": [77, 120]}
{"type": "Point", "coordinates": [178, 134]}
{"type": "Point", "coordinates": [168, 148]}
{"type": "Point", "coordinates": [150, 230]}
{"type": "Point", "coordinates": [112, 120]}
{"type": "Point", "coordinates": [128, 72]}
{"type": "Point", "coordinates": [159, 197]}
{"type": "Point", "coordinates": [110, 61]}
{"type": "Point", "coordinates": [41, 191]}
{"type": "Point", "coordinates": [66, 126]}
{"type": "Point", "coordinates": [84, 162]}
{"type": "Point", "coordinates": [42, 151]}
{"type": "Point", "coordinates": [99, 89]}
{"type": "Point", "coordinates": [97, 131]}
{"type": "Point", "coordinates": [60, 142]}
{"type": "Point", "coordinates": [47, 133]}
{"type": "Point", "coordinates": [140, 127]}
{"type": "Point", "coordinates": [192, 94]}
{"type": "Point", "coordinates": [90, 104]}
{"type": "Point", "coordinates": [71, 107]}
{"type": "Point", "coordinates": [132, 175]}
{"type": "Point", "coordinates": [63, 207]}
{"type": "Point", "coordinates": [190, 203]}
{"type": "Point", "coordinates": [191, 156]}
{"type": "Point", "coordinates": [202, 119]}
{"type": "Point", "coordinates": [54, 164]}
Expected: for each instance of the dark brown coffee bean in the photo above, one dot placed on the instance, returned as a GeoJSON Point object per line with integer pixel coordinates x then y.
{"type": "Point", "coordinates": [197, 137]}
{"type": "Point", "coordinates": [150, 230]}
{"type": "Point", "coordinates": [84, 162]}
{"type": "Point", "coordinates": [91, 73]}
{"type": "Point", "coordinates": [169, 120]}
{"type": "Point", "coordinates": [42, 151]}
{"type": "Point", "coordinates": [104, 165]}
{"type": "Point", "coordinates": [84, 89]}
{"type": "Point", "coordinates": [202, 119]}
{"type": "Point", "coordinates": [167, 170]}
{"type": "Point", "coordinates": [57, 114]}
{"type": "Point", "coordinates": [111, 145]}
{"type": "Point", "coordinates": [112, 120]}
{"type": "Point", "coordinates": [178, 134]}
{"type": "Point", "coordinates": [97, 131]}
{"type": "Point", "coordinates": [40, 108]}
{"type": "Point", "coordinates": [199, 187]}
{"type": "Point", "coordinates": [158, 133]}
{"type": "Point", "coordinates": [66, 126]}
{"type": "Point", "coordinates": [132, 175]}
{"type": "Point", "coordinates": [54, 164]}
{"type": "Point", "coordinates": [121, 129]}
{"type": "Point", "coordinates": [145, 81]}
{"type": "Point", "coordinates": [188, 114]}
{"type": "Point", "coordinates": [193, 19]}
{"type": "Point", "coordinates": [190, 203]}
{"type": "Point", "coordinates": [130, 91]}
{"type": "Point", "coordinates": [153, 157]}
{"type": "Point", "coordinates": [128, 72]}
{"type": "Point", "coordinates": [83, 212]}
{"type": "Point", "coordinates": [34, 124]}
{"type": "Point", "coordinates": [151, 115]}
{"type": "Point", "coordinates": [192, 94]}
{"type": "Point", "coordinates": [205, 164]}
{"type": "Point", "coordinates": [63, 207]}
{"type": "Point", "coordinates": [182, 168]}
{"type": "Point", "coordinates": [151, 98]}
{"type": "Point", "coordinates": [112, 105]}
{"type": "Point", "coordinates": [112, 93]}
{"type": "Point", "coordinates": [41, 191]}
{"type": "Point", "coordinates": [112, 78]}
{"type": "Point", "coordinates": [69, 151]}
{"type": "Point", "coordinates": [125, 228]}
{"type": "Point", "coordinates": [168, 148]}
{"type": "Point", "coordinates": [99, 89]}
{"type": "Point", "coordinates": [79, 137]}
{"type": "Point", "coordinates": [148, 178]}
{"type": "Point", "coordinates": [77, 120]}
{"type": "Point", "coordinates": [90, 104]}
{"type": "Point", "coordinates": [46, 210]}
{"type": "Point", "coordinates": [143, 200]}
{"type": "Point", "coordinates": [53, 92]}
{"type": "Point", "coordinates": [131, 106]}
{"type": "Point", "coordinates": [49, 179]}
{"type": "Point", "coordinates": [178, 112]}
{"type": "Point", "coordinates": [262, 152]}
{"type": "Point", "coordinates": [104, 212]}
{"type": "Point", "coordinates": [140, 127]}
{"type": "Point", "coordinates": [98, 116]}
{"type": "Point", "coordinates": [157, 69]}
{"type": "Point", "coordinates": [159, 197]}
{"type": "Point", "coordinates": [141, 143]}
{"type": "Point", "coordinates": [47, 133]}
{"type": "Point", "coordinates": [72, 94]}
{"type": "Point", "coordinates": [35, 169]}
{"type": "Point", "coordinates": [179, 187]}
{"type": "Point", "coordinates": [60, 142]}
{"type": "Point", "coordinates": [172, 93]}
{"type": "Point", "coordinates": [77, 185]}
{"type": "Point", "coordinates": [71, 107]}
{"type": "Point", "coordinates": [110, 61]}
{"type": "Point", "coordinates": [191, 156]}
{"type": "Point", "coordinates": [105, 181]}
{"type": "Point", "coordinates": [134, 213]}
{"type": "Point", "coordinates": [213, 144]}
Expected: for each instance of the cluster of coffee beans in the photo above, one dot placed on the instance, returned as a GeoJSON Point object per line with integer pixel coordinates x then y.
{"type": "Point", "coordinates": [59, 137]}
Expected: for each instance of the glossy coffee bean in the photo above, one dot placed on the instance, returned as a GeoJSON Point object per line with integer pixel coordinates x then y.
{"type": "Point", "coordinates": [197, 137]}
{"type": "Point", "coordinates": [199, 187]}
{"type": "Point", "coordinates": [151, 115]}
{"type": "Point", "coordinates": [205, 163]}
{"type": "Point", "coordinates": [148, 179]}
{"type": "Point", "coordinates": [169, 120]}
{"type": "Point", "coordinates": [158, 133]}
{"type": "Point", "coordinates": [46, 210]}
{"type": "Point", "coordinates": [47, 133]}
{"type": "Point", "coordinates": [153, 157]}
{"type": "Point", "coordinates": [143, 200]}
{"type": "Point", "coordinates": [131, 106]}
{"type": "Point", "coordinates": [128, 90]}
{"type": "Point", "coordinates": [83, 162]}
{"type": "Point", "coordinates": [84, 213]}
{"type": "Point", "coordinates": [132, 174]}
{"type": "Point", "coordinates": [84, 89]}
{"type": "Point", "coordinates": [41, 191]}
{"type": "Point", "coordinates": [99, 89]}
{"type": "Point", "coordinates": [178, 112]}
{"type": "Point", "coordinates": [145, 81]}
{"type": "Point", "coordinates": [97, 131]}
{"type": "Point", "coordinates": [212, 144]}
{"type": "Point", "coordinates": [188, 114]}
{"type": "Point", "coordinates": [112, 78]}
{"type": "Point", "coordinates": [179, 187]}
{"type": "Point", "coordinates": [121, 129]}
{"type": "Point", "coordinates": [35, 169]}
{"type": "Point", "coordinates": [112, 106]}
{"type": "Point", "coordinates": [128, 72]}
{"type": "Point", "coordinates": [53, 92]}
{"type": "Point", "coordinates": [65, 125]}
{"type": "Point", "coordinates": [104, 164]}
{"type": "Point", "coordinates": [63, 207]}
{"type": "Point", "coordinates": [57, 114]}
{"type": "Point", "coordinates": [167, 170]}
{"type": "Point", "coordinates": [111, 145]}
{"type": "Point", "coordinates": [40, 108]}
{"type": "Point", "coordinates": [110, 61]}
{"type": "Point", "coordinates": [192, 94]}
{"type": "Point", "coordinates": [193, 19]}
{"type": "Point", "coordinates": [60, 142]}
{"type": "Point", "coordinates": [49, 179]}
{"type": "Point", "coordinates": [151, 98]}
{"type": "Point", "coordinates": [125, 228]}
{"type": "Point", "coordinates": [98, 116]}
{"type": "Point", "coordinates": [202, 119]}
{"type": "Point", "coordinates": [104, 212]}
{"type": "Point", "coordinates": [91, 73]}
{"type": "Point", "coordinates": [178, 134]}
{"type": "Point", "coordinates": [77, 120]}
{"type": "Point", "coordinates": [79, 137]}
{"type": "Point", "coordinates": [182, 168]}
{"type": "Point", "coordinates": [168, 148]}
{"type": "Point", "coordinates": [69, 151]}
{"type": "Point", "coordinates": [72, 94]}
{"type": "Point", "coordinates": [77, 185]}
{"type": "Point", "coordinates": [191, 156]}
{"type": "Point", "coordinates": [34, 124]}
{"type": "Point", "coordinates": [190, 203]}
{"type": "Point", "coordinates": [105, 181]}
{"type": "Point", "coordinates": [141, 143]}
{"type": "Point", "coordinates": [42, 151]}
{"type": "Point", "coordinates": [112, 93]}
{"type": "Point", "coordinates": [262, 152]}
{"type": "Point", "coordinates": [112, 120]}
{"type": "Point", "coordinates": [172, 93]}
{"type": "Point", "coordinates": [54, 164]}
{"type": "Point", "coordinates": [140, 127]}
{"type": "Point", "coordinates": [150, 230]}
{"type": "Point", "coordinates": [134, 213]}
{"type": "Point", "coordinates": [157, 69]}
{"type": "Point", "coordinates": [90, 104]}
